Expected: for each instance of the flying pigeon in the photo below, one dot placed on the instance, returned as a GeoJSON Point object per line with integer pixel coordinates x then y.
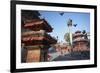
{"type": "Point", "coordinates": [61, 13]}
{"type": "Point", "coordinates": [74, 25]}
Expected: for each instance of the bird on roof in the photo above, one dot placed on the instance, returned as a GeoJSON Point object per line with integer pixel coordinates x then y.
{"type": "Point", "coordinates": [84, 31]}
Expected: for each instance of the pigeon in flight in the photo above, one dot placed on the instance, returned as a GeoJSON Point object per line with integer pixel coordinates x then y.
{"type": "Point", "coordinates": [61, 13]}
{"type": "Point", "coordinates": [74, 25]}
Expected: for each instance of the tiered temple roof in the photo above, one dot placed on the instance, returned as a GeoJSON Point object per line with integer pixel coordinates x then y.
{"type": "Point", "coordinates": [37, 35]}
{"type": "Point", "coordinates": [79, 37]}
{"type": "Point", "coordinates": [37, 24]}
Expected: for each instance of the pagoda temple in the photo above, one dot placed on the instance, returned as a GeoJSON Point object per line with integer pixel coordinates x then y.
{"type": "Point", "coordinates": [35, 38]}
{"type": "Point", "coordinates": [80, 43]}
